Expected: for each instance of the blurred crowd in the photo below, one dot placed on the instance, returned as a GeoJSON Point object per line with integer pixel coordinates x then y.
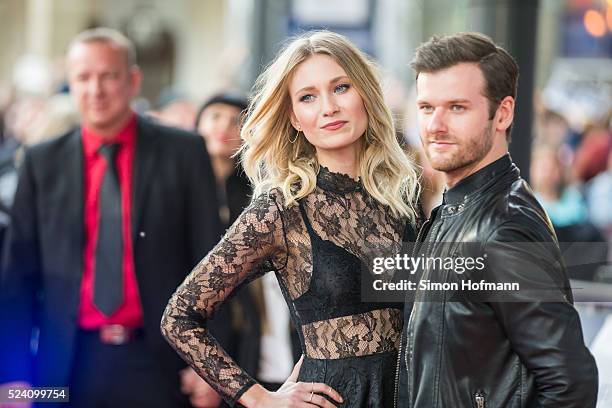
{"type": "Point", "coordinates": [571, 174]}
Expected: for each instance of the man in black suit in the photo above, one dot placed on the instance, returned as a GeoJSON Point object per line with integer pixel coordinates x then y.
{"type": "Point", "coordinates": [107, 221]}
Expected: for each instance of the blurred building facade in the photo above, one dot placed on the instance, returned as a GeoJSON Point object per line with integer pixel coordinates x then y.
{"type": "Point", "coordinates": [191, 48]}
{"type": "Point", "coordinates": [197, 46]}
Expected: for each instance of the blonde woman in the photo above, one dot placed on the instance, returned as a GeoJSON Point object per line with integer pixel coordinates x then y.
{"type": "Point", "coordinates": [332, 184]}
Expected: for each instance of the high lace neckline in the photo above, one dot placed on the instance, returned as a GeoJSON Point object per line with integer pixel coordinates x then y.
{"type": "Point", "coordinates": [337, 182]}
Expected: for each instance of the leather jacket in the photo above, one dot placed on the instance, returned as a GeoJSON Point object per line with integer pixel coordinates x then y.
{"type": "Point", "coordinates": [522, 351]}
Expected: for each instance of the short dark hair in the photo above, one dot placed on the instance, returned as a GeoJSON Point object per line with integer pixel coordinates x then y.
{"type": "Point", "coordinates": [232, 98]}
{"type": "Point", "coordinates": [498, 67]}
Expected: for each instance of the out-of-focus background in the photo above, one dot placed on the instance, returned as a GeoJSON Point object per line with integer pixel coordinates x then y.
{"type": "Point", "coordinates": [189, 49]}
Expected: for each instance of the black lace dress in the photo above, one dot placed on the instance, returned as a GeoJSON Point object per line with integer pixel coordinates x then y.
{"type": "Point", "coordinates": [317, 250]}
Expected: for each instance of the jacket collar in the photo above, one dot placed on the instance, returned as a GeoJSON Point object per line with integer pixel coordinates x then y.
{"type": "Point", "coordinates": [475, 182]}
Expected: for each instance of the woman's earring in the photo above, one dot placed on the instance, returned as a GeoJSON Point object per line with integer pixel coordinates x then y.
{"type": "Point", "coordinates": [295, 138]}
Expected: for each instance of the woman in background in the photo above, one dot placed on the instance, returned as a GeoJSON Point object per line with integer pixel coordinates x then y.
{"type": "Point", "coordinates": [253, 327]}
{"type": "Point", "coordinates": [218, 122]}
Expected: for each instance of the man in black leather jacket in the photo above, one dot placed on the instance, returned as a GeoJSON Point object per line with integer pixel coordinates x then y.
{"type": "Point", "coordinates": [511, 348]}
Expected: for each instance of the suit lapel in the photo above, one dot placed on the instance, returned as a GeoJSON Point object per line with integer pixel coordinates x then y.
{"type": "Point", "coordinates": [70, 173]}
{"type": "Point", "coordinates": [146, 148]}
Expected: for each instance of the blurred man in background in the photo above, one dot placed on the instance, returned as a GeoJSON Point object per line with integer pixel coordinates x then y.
{"type": "Point", "coordinates": [107, 220]}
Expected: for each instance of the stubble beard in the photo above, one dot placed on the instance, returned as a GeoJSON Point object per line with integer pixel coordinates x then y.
{"type": "Point", "coordinates": [468, 152]}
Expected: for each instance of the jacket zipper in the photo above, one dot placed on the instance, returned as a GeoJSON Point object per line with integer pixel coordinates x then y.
{"type": "Point", "coordinates": [480, 400]}
{"type": "Point", "coordinates": [399, 356]}
{"type": "Point", "coordinates": [397, 371]}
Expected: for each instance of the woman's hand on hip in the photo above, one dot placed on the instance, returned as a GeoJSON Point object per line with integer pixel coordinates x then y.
{"type": "Point", "coordinates": [292, 395]}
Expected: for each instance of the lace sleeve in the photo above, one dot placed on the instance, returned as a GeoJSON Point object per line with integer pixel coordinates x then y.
{"type": "Point", "coordinates": [253, 245]}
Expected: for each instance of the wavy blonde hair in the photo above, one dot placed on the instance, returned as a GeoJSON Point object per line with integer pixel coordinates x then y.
{"type": "Point", "coordinates": [270, 160]}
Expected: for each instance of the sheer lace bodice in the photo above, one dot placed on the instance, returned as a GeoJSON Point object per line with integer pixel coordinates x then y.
{"type": "Point", "coordinates": [316, 249]}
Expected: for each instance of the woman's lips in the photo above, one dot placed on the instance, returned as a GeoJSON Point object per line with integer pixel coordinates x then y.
{"type": "Point", "coordinates": [334, 125]}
